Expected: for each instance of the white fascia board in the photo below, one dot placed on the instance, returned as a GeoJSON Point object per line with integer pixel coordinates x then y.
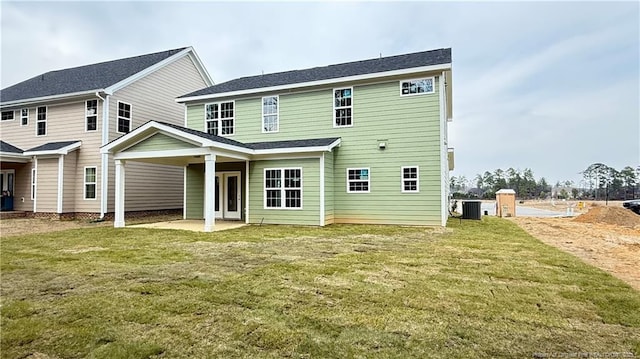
{"type": "Point", "coordinates": [61, 151]}
{"type": "Point", "coordinates": [374, 75]}
{"type": "Point", "coordinates": [200, 67]}
{"type": "Point", "coordinates": [185, 152]}
{"type": "Point", "coordinates": [13, 157]}
{"type": "Point", "coordinates": [137, 76]}
{"type": "Point", "coordinates": [36, 100]}
{"type": "Point", "coordinates": [273, 151]}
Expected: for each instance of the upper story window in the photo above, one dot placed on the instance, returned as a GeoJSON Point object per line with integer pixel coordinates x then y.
{"type": "Point", "coordinates": [124, 117]}
{"type": "Point", "coordinates": [91, 115]}
{"type": "Point", "coordinates": [41, 121]}
{"type": "Point", "coordinates": [270, 114]}
{"type": "Point", "coordinates": [283, 188]}
{"type": "Point", "coordinates": [7, 116]}
{"type": "Point", "coordinates": [417, 87]}
{"type": "Point", "coordinates": [342, 107]}
{"type": "Point", "coordinates": [410, 178]}
{"type": "Point", "coordinates": [219, 118]}
{"type": "Point", "coordinates": [24, 117]}
{"type": "Point", "coordinates": [358, 180]}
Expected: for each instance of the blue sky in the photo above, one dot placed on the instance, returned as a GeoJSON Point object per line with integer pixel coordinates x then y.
{"type": "Point", "coordinates": [545, 85]}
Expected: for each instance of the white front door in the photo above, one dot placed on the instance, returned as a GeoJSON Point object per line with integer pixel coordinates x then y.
{"type": "Point", "coordinates": [228, 195]}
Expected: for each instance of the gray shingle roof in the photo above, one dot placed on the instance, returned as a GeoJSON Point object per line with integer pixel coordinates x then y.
{"type": "Point", "coordinates": [257, 145]}
{"type": "Point", "coordinates": [390, 63]}
{"type": "Point", "coordinates": [51, 146]}
{"type": "Point", "coordinates": [83, 78]}
{"type": "Point", "coordinates": [7, 147]}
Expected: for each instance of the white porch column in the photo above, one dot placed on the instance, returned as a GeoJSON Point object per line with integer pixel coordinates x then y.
{"type": "Point", "coordinates": [246, 192]}
{"type": "Point", "coordinates": [119, 210]}
{"type": "Point", "coordinates": [60, 183]}
{"type": "Point", "coordinates": [209, 192]}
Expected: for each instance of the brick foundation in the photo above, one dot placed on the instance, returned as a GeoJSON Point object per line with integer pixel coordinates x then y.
{"type": "Point", "coordinates": [93, 216]}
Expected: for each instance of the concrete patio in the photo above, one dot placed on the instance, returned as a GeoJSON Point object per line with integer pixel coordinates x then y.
{"type": "Point", "coordinates": [190, 225]}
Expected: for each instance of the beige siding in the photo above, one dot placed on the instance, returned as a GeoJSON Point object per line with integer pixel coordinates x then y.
{"type": "Point", "coordinates": [70, 182]}
{"type": "Point", "coordinates": [47, 185]}
{"type": "Point", "coordinates": [22, 185]}
{"type": "Point", "coordinates": [153, 98]}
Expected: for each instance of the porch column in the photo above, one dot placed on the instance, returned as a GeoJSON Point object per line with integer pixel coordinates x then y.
{"type": "Point", "coordinates": [209, 192]}
{"type": "Point", "coordinates": [246, 192]}
{"type": "Point", "coordinates": [119, 210]}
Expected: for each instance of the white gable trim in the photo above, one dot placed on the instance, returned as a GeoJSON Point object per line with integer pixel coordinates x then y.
{"type": "Point", "coordinates": [369, 76]}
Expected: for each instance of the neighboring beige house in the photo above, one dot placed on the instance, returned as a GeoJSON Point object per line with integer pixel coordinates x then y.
{"type": "Point", "coordinates": [54, 124]}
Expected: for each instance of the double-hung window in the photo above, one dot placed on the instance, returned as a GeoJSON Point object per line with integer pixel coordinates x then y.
{"type": "Point", "coordinates": [417, 87]}
{"type": "Point", "coordinates": [90, 183]}
{"type": "Point", "coordinates": [8, 115]}
{"type": "Point", "coordinates": [220, 118]}
{"type": "Point", "coordinates": [41, 121]}
{"type": "Point", "coordinates": [410, 179]}
{"type": "Point", "coordinates": [91, 115]}
{"type": "Point", "coordinates": [343, 107]}
{"type": "Point", "coordinates": [358, 180]}
{"type": "Point", "coordinates": [24, 117]}
{"type": "Point", "coordinates": [283, 188]}
{"type": "Point", "coordinates": [124, 117]}
{"type": "Point", "coordinates": [270, 114]}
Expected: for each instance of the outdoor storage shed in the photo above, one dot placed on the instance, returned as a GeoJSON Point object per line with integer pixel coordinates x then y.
{"type": "Point", "coordinates": [506, 203]}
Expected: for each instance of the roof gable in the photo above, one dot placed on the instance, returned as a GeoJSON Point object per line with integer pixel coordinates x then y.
{"type": "Point", "coordinates": [86, 78]}
{"type": "Point", "coordinates": [372, 66]}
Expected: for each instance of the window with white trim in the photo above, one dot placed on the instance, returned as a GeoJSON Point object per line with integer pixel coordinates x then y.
{"type": "Point", "coordinates": [283, 188]}
{"type": "Point", "coordinates": [41, 121]}
{"type": "Point", "coordinates": [410, 179]}
{"type": "Point", "coordinates": [342, 107]}
{"type": "Point", "coordinates": [358, 180]}
{"type": "Point", "coordinates": [124, 117]}
{"type": "Point", "coordinates": [90, 182]}
{"type": "Point", "coordinates": [24, 117]}
{"type": "Point", "coordinates": [91, 115]}
{"type": "Point", "coordinates": [8, 115]}
{"type": "Point", "coordinates": [33, 183]}
{"type": "Point", "coordinates": [220, 118]}
{"type": "Point", "coordinates": [270, 117]}
{"type": "Point", "coordinates": [417, 86]}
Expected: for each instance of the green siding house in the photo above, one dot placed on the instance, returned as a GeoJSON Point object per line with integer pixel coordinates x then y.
{"type": "Point", "coordinates": [358, 142]}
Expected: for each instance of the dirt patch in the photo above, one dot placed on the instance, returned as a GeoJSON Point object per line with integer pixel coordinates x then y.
{"type": "Point", "coordinates": [610, 215]}
{"type": "Point", "coordinates": [612, 247]}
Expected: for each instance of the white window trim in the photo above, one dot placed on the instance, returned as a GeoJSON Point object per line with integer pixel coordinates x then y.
{"type": "Point", "coordinates": [333, 101]}
{"type": "Point", "coordinates": [86, 116]}
{"type": "Point", "coordinates": [283, 189]}
{"type": "Point", "coordinates": [95, 183]}
{"type": "Point", "coordinates": [368, 180]}
{"type": "Point", "coordinates": [219, 119]}
{"type": "Point", "coordinates": [402, 179]}
{"type": "Point", "coordinates": [118, 116]}
{"type": "Point", "coordinates": [432, 78]}
{"type": "Point", "coordinates": [277, 114]}
{"type": "Point", "coordinates": [22, 117]}
{"type": "Point", "coordinates": [46, 115]}
{"type": "Point", "coordinates": [13, 118]}
{"type": "Point", "coordinates": [34, 182]}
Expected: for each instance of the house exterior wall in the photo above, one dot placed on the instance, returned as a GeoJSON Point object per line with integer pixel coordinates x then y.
{"type": "Point", "coordinates": [150, 186]}
{"type": "Point", "coordinates": [409, 125]}
{"type": "Point", "coordinates": [329, 208]}
{"type": "Point", "coordinates": [308, 215]}
{"type": "Point", "coordinates": [47, 185]}
{"type": "Point", "coordinates": [66, 121]}
{"type": "Point", "coordinates": [22, 188]}
{"type": "Point", "coordinates": [195, 187]}
{"type": "Point", "coordinates": [71, 182]}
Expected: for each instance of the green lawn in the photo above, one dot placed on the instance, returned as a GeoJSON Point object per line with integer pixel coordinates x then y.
{"type": "Point", "coordinates": [481, 289]}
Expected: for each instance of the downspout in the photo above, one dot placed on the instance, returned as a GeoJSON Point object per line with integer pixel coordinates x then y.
{"type": "Point", "coordinates": [104, 165]}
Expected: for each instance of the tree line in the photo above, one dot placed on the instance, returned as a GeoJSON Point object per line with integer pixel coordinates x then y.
{"type": "Point", "coordinates": [599, 182]}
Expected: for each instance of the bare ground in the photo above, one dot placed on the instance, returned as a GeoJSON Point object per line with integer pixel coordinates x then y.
{"type": "Point", "coordinates": [613, 248]}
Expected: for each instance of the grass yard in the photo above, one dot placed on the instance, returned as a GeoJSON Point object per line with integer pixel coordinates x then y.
{"type": "Point", "coordinates": [482, 289]}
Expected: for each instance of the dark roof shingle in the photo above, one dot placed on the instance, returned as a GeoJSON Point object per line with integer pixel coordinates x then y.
{"type": "Point", "coordinates": [383, 64]}
{"type": "Point", "coordinates": [51, 146]}
{"type": "Point", "coordinates": [84, 78]}
{"type": "Point", "coordinates": [257, 145]}
{"type": "Point", "coordinates": [9, 148]}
